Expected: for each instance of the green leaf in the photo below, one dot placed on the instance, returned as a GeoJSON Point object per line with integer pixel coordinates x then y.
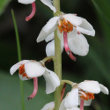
{"type": "Point", "coordinates": [10, 93]}
{"type": "Point", "coordinates": [3, 5]}
{"type": "Point", "coordinates": [99, 64]}
{"type": "Point", "coordinates": [103, 7]}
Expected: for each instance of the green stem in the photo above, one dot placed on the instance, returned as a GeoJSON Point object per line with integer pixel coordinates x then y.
{"type": "Point", "coordinates": [58, 70]}
{"type": "Point", "coordinates": [47, 59]}
{"type": "Point", "coordinates": [19, 58]}
{"type": "Point", "coordinates": [57, 4]}
{"type": "Point", "coordinates": [68, 82]}
{"type": "Point", "coordinates": [57, 61]}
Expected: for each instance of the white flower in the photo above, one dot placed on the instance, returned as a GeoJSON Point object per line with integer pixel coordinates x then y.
{"type": "Point", "coordinates": [49, 106]}
{"type": "Point", "coordinates": [49, 3]}
{"type": "Point", "coordinates": [32, 2]}
{"type": "Point", "coordinates": [82, 94]}
{"type": "Point", "coordinates": [26, 1]}
{"type": "Point", "coordinates": [30, 69]}
{"type": "Point", "coordinates": [70, 30]}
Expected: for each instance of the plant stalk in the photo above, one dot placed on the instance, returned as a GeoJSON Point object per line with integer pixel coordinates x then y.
{"type": "Point", "coordinates": [19, 57]}
{"type": "Point", "coordinates": [58, 70]}
{"type": "Point", "coordinates": [57, 61]}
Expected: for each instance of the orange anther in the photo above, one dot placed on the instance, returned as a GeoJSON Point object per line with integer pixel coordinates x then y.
{"type": "Point", "coordinates": [65, 26]}
{"type": "Point", "coordinates": [87, 96]}
{"type": "Point", "coordinates": [21, 69]}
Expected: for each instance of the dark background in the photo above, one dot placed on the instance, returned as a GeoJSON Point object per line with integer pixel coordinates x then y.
{"type": "Point", "coordinates": [94, 66]}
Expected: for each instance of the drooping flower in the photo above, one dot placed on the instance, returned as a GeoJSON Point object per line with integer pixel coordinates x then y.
{"type": "Point", "coordinates": [82, 94]}
{"type": "Point", "coordinates": [70, 30]}
{"type": "Point", "coordinates": [30, 69]}
{"type": "Point", "coordinates": [49, 106]}
{"type": "Point", "coordinates": [33, 8]}
{"type": "Point", "coordinates": [46, 2]}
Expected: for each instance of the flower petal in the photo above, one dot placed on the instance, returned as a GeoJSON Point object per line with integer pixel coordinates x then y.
{"type": "Point", "coordinates": [48, 29]}
{"type": "Point", "coordinates": [104, 89]}
{"type": "Point", "coordinates": [26, 1]}
{"type": "Point", "coordinates": [50, 37]}
{"type": "Point", "coordinates": [75, 20]}
{"type": "Point", "coordinates": [34, 69]}
{"type": "Point", "coordinates": [86, 28]}
{"type": "Point", "coordinates": [62, 107]}
{"type": "Point", "coordinates": [71, 99]}
{"type": "Point", "coordinates": [90, 86]}
{"type": "Point", "coordinates": [49, 4]}
{"type": "Point", "coordinates": [78, 44]}
{"type": "Point", "coordinates": [16, 66]}
{"type": "Point", "coordinates": [49, 106]}
{"type": "Point", "coordinates": [50, 48]}
{"type": "Point", "coordinates": [76, 108]}
{"type": "Point", "coordinates": [52, 81]}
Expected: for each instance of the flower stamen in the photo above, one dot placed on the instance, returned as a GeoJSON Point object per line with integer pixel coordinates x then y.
{"type": "Point", "coordinates": [22, 71]}
{"type": "Point", "coordinates": [35, 82]}
{"type": "Point", "coordinates": [86, 96]}
{"type": "Point", "coordinates": [67, 49]}
{"type": "Point", "coordinates": [82, 104]}
{"type": "Point", "coordinates": [32, 13]}
{"type": "Point", "coordinates": [65, 26]}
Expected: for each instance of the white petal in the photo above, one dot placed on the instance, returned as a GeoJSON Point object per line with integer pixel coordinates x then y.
{"type": "Point", "coordinates": [104, 89]}
{"type": "Point", "coordinates": [75, 20]}
{"type": "Point", "coordinates": [71, 99]}
{"type": "Point", "coordinates": [48, 29]}
{"type": "Point", "coordinates": [16, 66]}
{"type": "Point", "coordinates": [26, 1]}
{"type": "Point", "coordinates": [49, 4]}
{"type": "Point", "coordinates": [78, 44]}
{"type": "Point", "coordinates": [86, 28]}
{"type": "Point", "coordinates": [90, 86]}
{"type": "Point", "coordinates": [62, 107]}
{"type": "Point", "coordinates": [76, 108]}
{"type": "Point", "coordinates": [50, 37]}
{"type": "Point", "coordinates": [34, 69]}
{"type": "Point", "coordinates": [49, 106]}
{"type": "Point", "coordinates": [52, 81]}
{"type": "Point", "coordinates": [50, 48]}
{"type": "Point", "coordinates": [23, 78]}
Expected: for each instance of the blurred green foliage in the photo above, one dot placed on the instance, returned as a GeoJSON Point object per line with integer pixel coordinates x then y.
{"type": "Point", "coordinates": [94, 66]}
{"type": "Point", "coordinates": [3, 4]}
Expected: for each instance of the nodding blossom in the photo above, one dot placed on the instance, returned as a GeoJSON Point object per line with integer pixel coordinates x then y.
{"type": "Point", "coordinates": [82, 94]}
{"type": "Point", "coordinates": [70, 30]}
{"type": "Point", "coordinates": [48, 3]}
{"type": "Point", "coordinates": [30, 69]}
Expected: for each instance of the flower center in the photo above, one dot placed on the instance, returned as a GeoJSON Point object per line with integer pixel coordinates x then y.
{"type": "Point", "coordinates": [86, 96]}
{"type": "Point", "coordinates": [22, 71]}
{"type": "Point", "coordinates": [65, 26]}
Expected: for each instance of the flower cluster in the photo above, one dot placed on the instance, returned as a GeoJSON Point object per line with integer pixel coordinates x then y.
{"type": "Point", "coordinates": [70, 30]}
{"type": "Point", "coordinates": [81, 94]}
